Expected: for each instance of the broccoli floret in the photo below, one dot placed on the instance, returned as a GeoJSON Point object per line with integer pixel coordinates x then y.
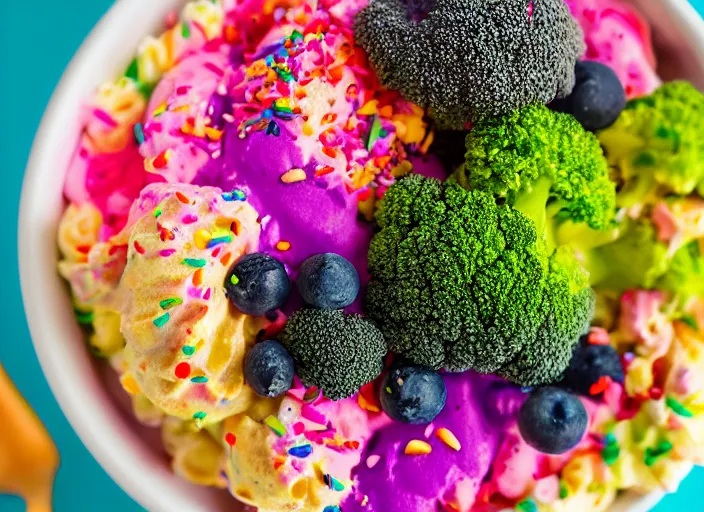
{"type": "Point", "coordinates": [459, 281]}
{"type": "Point", "coordinates": [657, 145]}
{"type": "Point", "coordinates": [467, 59]}
{"type": "Point", "coordinates": [685, 275]}
{"type": "Point", "coordinates": [545, 165]}
{"type": "Point", "coordinates": [336, 352]}
{"type": "Point", "coordinates": [635, 260]}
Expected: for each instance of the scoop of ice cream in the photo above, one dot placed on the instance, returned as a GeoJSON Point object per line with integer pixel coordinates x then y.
{"type": "Point", "coordinates": [177, 139]}
{"type": "Point", "coordinates": [616, 35]}
{"type": "Point", "coordinates": [300, 458]}
{"type": "Point", "coordinates": [185, 343]}
{"type": "Point", "coordinates": [390, 479]}
{"type": "Point", "coordinates": [301, 128]}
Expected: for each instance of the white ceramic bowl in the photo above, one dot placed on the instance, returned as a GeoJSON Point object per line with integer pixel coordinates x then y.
{"type": "Point", "coordinates": [135, 464]}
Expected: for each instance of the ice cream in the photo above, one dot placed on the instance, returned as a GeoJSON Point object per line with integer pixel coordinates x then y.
{"type": "Point", "coordinates": [617, 35]}
{"type": "Point", "coordinates": [260, 126]}
{"type": "Point", "coordinates": [184, 341]}
{"type": "Point", "coordinates": [390, 479]}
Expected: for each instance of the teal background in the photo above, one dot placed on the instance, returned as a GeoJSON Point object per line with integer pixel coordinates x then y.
{"type": "Point", "coordinates": [37, 40]}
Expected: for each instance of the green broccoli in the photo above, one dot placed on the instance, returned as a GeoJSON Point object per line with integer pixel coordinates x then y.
{"type": "Point", "coordinates": [685, 276]}
{"type": "Point", "coordinates": [636, 259]}
{"type": "Point", "coordinates": [657, 145]}
{"type": "Point", "coordinates": [459, 281]}
{"type": "Point", "coordinates": [336, 352]}
{"type": "Point", "coordinates": [545, 165]}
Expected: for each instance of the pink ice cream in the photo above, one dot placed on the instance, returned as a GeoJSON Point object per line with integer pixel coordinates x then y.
{"type": "Point", "coordinates": [301, 129]}
{"type": "Point", "coordinates": [616, 35]}
{"type": "Point", "coordinates": [478, 410]}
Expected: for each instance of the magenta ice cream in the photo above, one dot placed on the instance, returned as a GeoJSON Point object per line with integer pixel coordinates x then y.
{"type": "Point", "coordinates": [388, 479]}
{"type": "Point", "coordinates": [299, 129]}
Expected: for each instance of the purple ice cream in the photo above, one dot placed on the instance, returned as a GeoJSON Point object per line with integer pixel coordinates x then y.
{"type": "Point", "coordinates": [422, 483]}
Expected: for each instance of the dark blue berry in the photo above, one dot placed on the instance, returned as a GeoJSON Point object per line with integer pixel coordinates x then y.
{"type": "Point", "coordinates": [598, 96]}
{"type": "Point", "coordinates": [268, 369]}
{"type": "Point", "coordinates": [328, 281]}
{"type": "Point", "coordinates": [589, 363]}
{"type": "Point", "coordinates": [552, 420]}
{"type": "Point", "coordinates": [257, 284]}
{"type": "Point", "coordinates": [413, 394]}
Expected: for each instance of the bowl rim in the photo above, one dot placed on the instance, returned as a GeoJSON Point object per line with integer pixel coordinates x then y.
{"type": "Point", "coordinates": [141, 487]}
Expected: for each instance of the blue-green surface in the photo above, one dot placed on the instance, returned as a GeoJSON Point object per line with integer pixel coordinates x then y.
{"type": "Point", "coordinates": [37, 39]}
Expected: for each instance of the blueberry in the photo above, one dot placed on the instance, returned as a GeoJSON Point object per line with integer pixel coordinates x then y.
{"type": "Point", "coordinates": [257, 284]}
{"type": "Point", "coordinates": [552, 420]}
{"type": "Point", "coordinates": [589, 363]}
{"type": "Point", "coordinates": [413, 394]}
{"type": "Point", "coordinates": [598, 96]}
{"type": "Point", "coordinates": [328, 281]}
{"type": "Point", "coordinates": [268, 369]}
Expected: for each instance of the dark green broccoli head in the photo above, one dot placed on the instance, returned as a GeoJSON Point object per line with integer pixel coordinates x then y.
{"type": "Point", "coordinates": [568, 310]}
{"type": "Point", "coordinates": [336, 352]}
{"type": "Point", "coordinates": [544, 163]}
{"type": "Point", "coordinates": [657, 145]}
{"type": "Point", "coordinates": [460, 282]}
{"type": "Point", "coordinates": [467, 59]}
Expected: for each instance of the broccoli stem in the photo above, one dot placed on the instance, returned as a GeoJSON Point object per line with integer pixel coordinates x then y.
{"type": "Point", "coordinates": [533, 204]}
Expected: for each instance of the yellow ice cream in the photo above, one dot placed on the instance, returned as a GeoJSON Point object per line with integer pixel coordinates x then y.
{"type": "Point", "coordinates": [185, 343]}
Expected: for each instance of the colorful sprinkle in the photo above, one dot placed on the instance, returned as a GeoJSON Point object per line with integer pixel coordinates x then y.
{"type": "Point", "coordinates": [129, 384]}
{"type": "Point", "coordinates": [200, 415]}
{"type": "Point", "coordinates": [332, 508]}
{"type": "Point", "coordinates": [564, 492]}
{"type": "Point", "coordinates": [301, 451]}
{"type": "Point", "coordinates": [293, 176]}
{"type": "Point", "coordinates": [170, 302]}
{"type": "Point", "coordinates": [611, 450]}
{"type": "Point", "coordinates": [230, 439]}
{"type": "Point", "coordinates": [373, 460]}
{"type": "Point", "coordinates": [678, 408]}
{"type": "Point", "coordinates": [653, 454]}
{"type": "Point", "coordinates": [139, 133]}
{"type": "Point", "coordinates": [275, 425]}
{"type": "Point", "coordinates": [206, 295]}
{"type": "Point", "coordinates": [195, 263]}
{"type": "Point", "coordinates": [165, 253]}
{"type": "Point", "coordinates": [199, 380]}
{"type": "Point", "coordinates": [138, 247]}
{"type": "Point", "coordinates": [185, 31]}
{"type": "Point", "coordinates": [133, 70]}
{"type": "Point", "coordinates": [527, 505]}
{"type": "Point", "coordinates": [447, 437]}
{"type": "Point", "coordinates": [188, 350]}
{"type": "Point", "coordinates": [201, 238]}
{"type": "Point", "coordinates": [84, 317]}
{"type": "Point", "coordinates": [333, 483]}
{"type": "Point", "coordinates": [189, 219]}
{"type": "Point", "coordinates": [182, 370]}
{"type": "Point", "coordinates": [283, 246]}
{"type": "Point", "coordinates": [235, 195]}
{"type": "Point", "coordinates": [374, 133]}
{"type": "Point", "coordinates": [600, 385]}
{"type": "Point", "coordinates": [417, 447]}
{"type": "Point", "coordinates": [219, 240]}
{"type": "Point", "coordinates": [162, 159]}
{"type": "Point", "coordinates": [198, 277]}
{"type": "Point", "coordinates": [161, 320]}
{"type": "Point", "coordinates": [181, 197]}
{"type": "Point", "coordinates": [312, 393]}
{"type": "Point", "coordinates": [234, 279]}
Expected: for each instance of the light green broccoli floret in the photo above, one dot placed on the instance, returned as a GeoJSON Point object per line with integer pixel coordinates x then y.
{"type": "Point", "coordinates": [685, 276]}
{"type": "Point", "coordinates": [545, 165]}
{"type": "Point", "coordinates": [657, 144]}
{"type": "Point", "coordinates": [461, 282]}
{"type": "Point", "coordinates": [635, 260]}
